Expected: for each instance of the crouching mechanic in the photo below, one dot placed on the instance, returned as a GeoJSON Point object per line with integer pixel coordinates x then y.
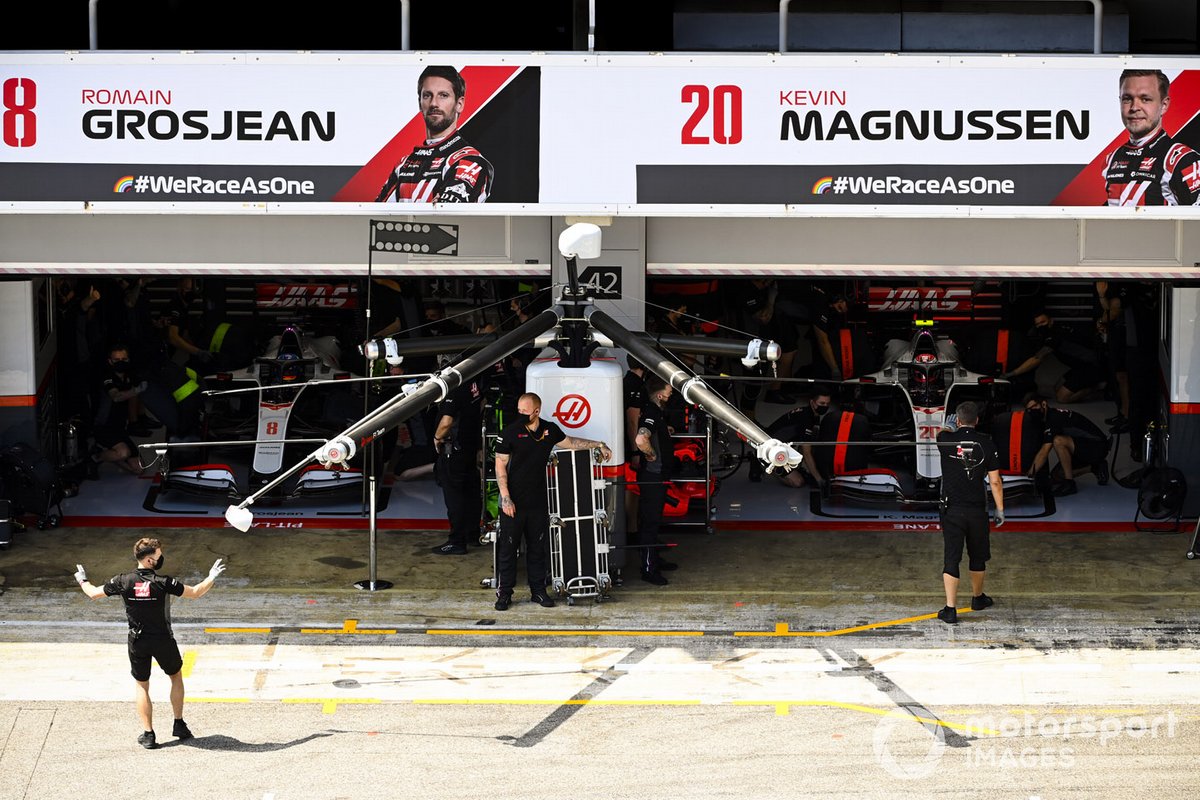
{"type": "Point", "coordinates": [964, 505]}
{"type": "Point", "coordinates": [147, 597]}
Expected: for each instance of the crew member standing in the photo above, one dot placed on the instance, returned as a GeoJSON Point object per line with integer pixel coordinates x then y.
{"type": "Point", "coordinates": [658, 465]}
{"type": "Point", "coordinates": [522, 452]}
{"type": "Point", "coordinates": [147, 597]}
{"type": "Point", "coordinates": [964, 506]}
{"type": "Point", "coordinates": [457, 440]}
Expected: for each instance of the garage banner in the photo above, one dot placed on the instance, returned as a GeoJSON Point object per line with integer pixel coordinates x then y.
{"type": "Point", "coordinates": [578, 130]}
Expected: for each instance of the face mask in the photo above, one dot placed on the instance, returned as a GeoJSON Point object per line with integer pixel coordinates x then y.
{"type": "Point", "coordinates": [121, 365]}
{"type": "Point", "coordinates": [523, 419]}
{"type": "Point", "coordinates": [822, 410]}
{"type": "Point", "coordinates": [158, 564]}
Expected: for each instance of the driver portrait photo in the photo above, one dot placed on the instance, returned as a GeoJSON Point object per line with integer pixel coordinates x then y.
{"type": "Point", "coordinates": [444, 168]}
{"type": "Point", "coordinates": [1150, 168]}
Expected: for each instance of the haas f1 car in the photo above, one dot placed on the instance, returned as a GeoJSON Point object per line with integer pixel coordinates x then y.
{"type": "Point", "coordinates": [259, 418]}
{"type": "Point", "coordinates": [911, 398]}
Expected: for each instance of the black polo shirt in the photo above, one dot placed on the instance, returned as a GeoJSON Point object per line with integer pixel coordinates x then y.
{"type": "Point", "coordinates": [654, 420]}
{"type": "Point", "coordinates": [1073, 348]}
{"type": "Point", "coordinates": [528, 452]}
{"type": "Point", "coordinates": [634, 387]}
{"type": "Point", "coordinates": [798, 425]}
{"type": "Point", "coordinates": [465, 406]}
{"type": "Point", "coordinates": [1063, 422]}
{"type": "Point", "coordinates": [109, 412]}
{"type": "Point", "coordinates": [147, 597]}
{"type": "Point", "coordinates": [964, 468]}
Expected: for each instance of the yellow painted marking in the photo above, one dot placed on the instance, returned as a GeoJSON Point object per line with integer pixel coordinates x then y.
{"type": "Point", "coordinates": [218, 699]}
{"type": "Point", "coordinates": [189, 661]}
{"type": "Point", "coordinates": [571, 702]}
{"type": "Point", "coordinates": [329, 704]}
{"type": "Point", "coordinates": [494, 632]}
{"type": "Point", "coordinates": [237, 630]}
{"type": "Point", "coordinates": [881, 712]}
{"type": "Point", "coordinates": [350, 626]}
{"type": "Point", "coordinates": [783, 629]}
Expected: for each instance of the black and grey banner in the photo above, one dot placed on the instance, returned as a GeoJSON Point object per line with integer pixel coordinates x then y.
{"type": "Point", "coordinates": [885, 184]}
{"type": "Point", "coordinates": [158, 182]}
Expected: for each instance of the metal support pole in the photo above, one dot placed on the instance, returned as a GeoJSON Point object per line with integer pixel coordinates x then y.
{"type": "Point", "coordinates": [372, 584]}
{"type": "Point", "coordinates": [93, 25]}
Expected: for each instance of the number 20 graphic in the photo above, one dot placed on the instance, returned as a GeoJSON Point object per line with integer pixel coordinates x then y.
{"type": "Point", "coordinates": [726, 124]}
{"type": "Point", "coordinates": [19, 97]}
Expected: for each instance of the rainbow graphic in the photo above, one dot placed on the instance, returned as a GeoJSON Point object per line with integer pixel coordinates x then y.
{"type": "Point", "coordinates": [823, 185]}
{"type": "Point", "coordinates": [126, 185]}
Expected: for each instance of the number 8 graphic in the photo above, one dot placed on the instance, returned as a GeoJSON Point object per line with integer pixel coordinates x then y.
{"type": "Point", "coordinates": [20, 98]}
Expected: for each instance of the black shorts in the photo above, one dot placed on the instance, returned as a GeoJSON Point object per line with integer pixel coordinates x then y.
{"type": "Point", "coordinates": [161, 647]}
{"type": "Point", "coordinates": [1088, 452]}
{"type": "Point", "coordinates": [1083, 377]}
{"type": "Point", "coordinates": [1117, 348]}
{"type": "Point", "coordinates": [970, 528]}
{"type": "Point", "coordinates": [108, 437]}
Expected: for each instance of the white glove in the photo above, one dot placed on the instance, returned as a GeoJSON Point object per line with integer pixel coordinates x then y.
{"type": "Point", "coordinates": [141, 387]}
{"type": "Point", "coordinates": [217, 569]}
{"type": "Point", "coordinates": [80, 574]}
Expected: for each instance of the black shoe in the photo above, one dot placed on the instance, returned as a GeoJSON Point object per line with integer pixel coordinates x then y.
{"type": "Point", "coordinates": [981, 602]}
{"type": "Point", "coordinates": [1121, 426]}
{"type": "Point", "coordinates": [543, 600]}
{"type": "Point", "coordinates": [93, 470]}
{"type": "Point", "coordinates": [1137, 455]}
{"type": "Point", "coordinates": [654, 577]}
{"type": "Point", "coordinates": [137, 430]}
{"type": "Point", "coordinates": [948, 615]}
{"type": "Point", "coordinates": [503, 602]}
{"type": "Point", "coordinates": [1065, 488]}
{"type": "Point", "coordinates": [1115, 419]}
{"type": "Point", "coordinates": [756, 476]}
{"type": "Point", "coordinates": [149, 422]}
{"type": "Point", "coordinates": [665, 566]}
{"type": "Point", "coordinates": [779, 397]}
{"type": "Point", "coordinates": [449, 549]}
{"type": "Point", "coordinates": [181, 731]}
{"type": "Point", "coordinates": [147, 741]}
{"type": "Point", "coordinates": [1101, 470]}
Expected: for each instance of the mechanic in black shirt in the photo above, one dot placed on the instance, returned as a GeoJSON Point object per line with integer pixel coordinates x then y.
{"type": "Point", "coordinates": [184, 324]}
{"type": "Point", "coordinates": [801, 425]}
{"type": "Point", "coordinates": [111, 429]}
{"type": "Point", "coordinates": [657, 450]}
{"type": "Point", "coordinates": [964, 505]}
{"type": "Point", "coordinates": [1079, 443]}
{"type": "Point", "coordinates": [457, 440]}
{"type": "Point", "coordinates": [634, 388]}
{"type": "Point", "coordinates": [1085, 373]}
{"type": "Point", "coordinates": [522, 453]}
{"type": "Point", "coordinates": [147, 597]}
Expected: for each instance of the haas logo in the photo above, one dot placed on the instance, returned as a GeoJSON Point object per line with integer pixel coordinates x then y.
{"type": "Point", "coordinates": [573, 411]}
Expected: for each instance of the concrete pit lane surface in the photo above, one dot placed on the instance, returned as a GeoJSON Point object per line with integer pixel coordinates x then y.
{"type": "Point", "coordinates": [775, 664]}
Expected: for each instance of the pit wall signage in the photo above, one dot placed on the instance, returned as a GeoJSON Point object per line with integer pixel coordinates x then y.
{"type": "Point", "coordinates": [712, 131]}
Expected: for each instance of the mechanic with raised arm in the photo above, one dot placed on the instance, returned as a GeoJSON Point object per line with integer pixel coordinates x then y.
{"type": "Point", "coordinates": [522, 453]}
{"type": "Point", "coordinates": [964, 505]}
{"type": "Point", "coordinates": [147, 597]}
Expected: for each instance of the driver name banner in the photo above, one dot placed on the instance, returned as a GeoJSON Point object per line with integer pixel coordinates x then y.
{"type": "Point", "coordinates": [565, 130]}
